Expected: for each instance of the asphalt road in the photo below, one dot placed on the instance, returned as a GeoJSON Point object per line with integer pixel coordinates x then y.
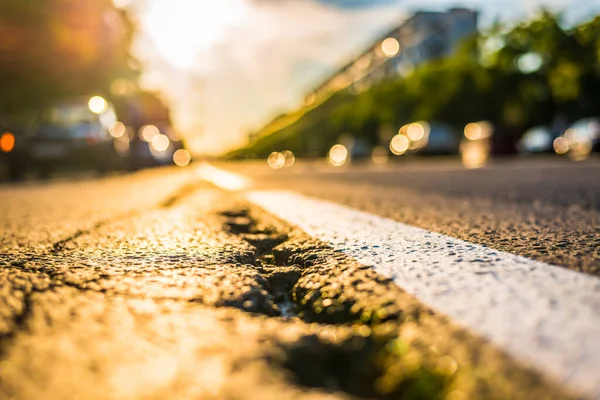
{"type": "Point", "coordinates": [159, 285]}
{"type": "Point", "coordinates": [547, 209]}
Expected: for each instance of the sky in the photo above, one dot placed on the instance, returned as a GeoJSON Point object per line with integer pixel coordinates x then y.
{"type": "Point", "coordinates": [227, 67]}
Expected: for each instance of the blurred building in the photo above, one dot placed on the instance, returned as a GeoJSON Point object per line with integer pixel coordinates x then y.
{"type": "Point", "coordinates": [424, 36]}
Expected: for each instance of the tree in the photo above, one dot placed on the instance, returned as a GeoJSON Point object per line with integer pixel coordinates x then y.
{"type": "Point", "coordinates": [526, 75]}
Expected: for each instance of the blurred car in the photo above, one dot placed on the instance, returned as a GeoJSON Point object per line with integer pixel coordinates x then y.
{"type": "Point", "coordinates": [74, 133]}
{"type": "Point", "coordinates": [537, 140]}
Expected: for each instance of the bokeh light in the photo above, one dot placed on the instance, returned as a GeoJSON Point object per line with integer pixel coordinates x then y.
{"type": "Point", "coordinates": [149, 133]}
{"type": "Point", "coordinates": [580, 150]}
{"type": "Point", "coordinates": [338, 155]}
{"type": "Point", "coordinates": [579, 142]}
{"type": "Point", "coordinates": [117, 130]}
{"type": "Point", "coordinates": [160, 142]}
{"type": "Point", "coordinates": [182, 157]}
{"type": "Point", "coordinates": [529, 62]}
{"type": "Point", "coordinates": [276, 160]}
{"type": "Point", "coordinates": [474, 154]}
{"type": "Point", "coordinates": [415, 131]}
{"type": "Point", "coordinates": [478, 130]}
{"type": "Point", "coordinates": [561, 145]}
{"type": "Point", "coordinates": [98, 105]}
{"type": "Point", "coordinates": [290, 158]}
{"type": "Point", "coordinates": [399, 144]}
{"type": "Point", "coordinates": [403, 130]}
{"type": "Point", "coordinates": [7, 142]}
{"type": "Point", "coordinates": [390, 47]}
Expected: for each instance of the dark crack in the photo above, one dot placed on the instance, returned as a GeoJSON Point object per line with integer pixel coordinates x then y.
{"type": "Point", "coordinates": [362, 335]}
{"type": "Point", "coordinates": [363, 345]}
{"type": "Point", "coordinates": [295, 275]}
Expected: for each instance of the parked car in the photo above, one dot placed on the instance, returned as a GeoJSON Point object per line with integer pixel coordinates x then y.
{"type": "Point", "coordinates": [537, 140]}
{"type": "Point", "coordinates": [74, 133]}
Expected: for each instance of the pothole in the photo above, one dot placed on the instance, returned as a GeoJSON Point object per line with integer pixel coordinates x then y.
{"type": "Point", "coordinates": [293, 273]}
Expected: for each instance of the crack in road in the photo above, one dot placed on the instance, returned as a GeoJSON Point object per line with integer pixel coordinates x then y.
{"type": "Point", "coordinates": [359, 334]}
{"type": "Point", "coordinates": [19, 319]}
{"type": "Point", "coordinates": [359, 363]}
{"type": "Point", "coordinates": [363, 345]}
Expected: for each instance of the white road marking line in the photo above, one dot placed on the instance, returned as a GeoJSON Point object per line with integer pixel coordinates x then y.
{"type": "Point", "coordinates": [221, 178]}
{"type": "Point", "coordinates": [546, 316]}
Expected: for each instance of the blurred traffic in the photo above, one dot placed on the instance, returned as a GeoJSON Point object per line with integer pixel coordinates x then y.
{"type": "Point", "coordinates": [71, 98]}
{"type": "Point", "coordinates": [87, 133]}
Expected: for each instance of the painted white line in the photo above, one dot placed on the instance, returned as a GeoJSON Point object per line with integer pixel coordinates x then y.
{"type": "Point", "coordinates": [221, 178]}
{"type": "Point", "coordinates": [546, 316]}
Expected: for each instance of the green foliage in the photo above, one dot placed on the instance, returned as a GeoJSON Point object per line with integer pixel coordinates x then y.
{"type": "Point", "coordinates": [525, 75]}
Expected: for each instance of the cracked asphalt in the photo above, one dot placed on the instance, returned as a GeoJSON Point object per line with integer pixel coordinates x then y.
{"type": "Point", "coordinates": [157, 285]}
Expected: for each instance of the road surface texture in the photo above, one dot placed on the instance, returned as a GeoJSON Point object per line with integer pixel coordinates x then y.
{"type": "Point", "coordinates": [159, 285]}
{"type": "Point", "coordinates": [544, 209]}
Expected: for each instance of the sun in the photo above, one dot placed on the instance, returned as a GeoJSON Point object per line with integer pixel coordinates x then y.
{"type": "Point", "coordinates": [181, 29]}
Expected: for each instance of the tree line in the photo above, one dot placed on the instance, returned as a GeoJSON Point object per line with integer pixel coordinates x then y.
{"type": "Point", "coordinates": [537, 72]}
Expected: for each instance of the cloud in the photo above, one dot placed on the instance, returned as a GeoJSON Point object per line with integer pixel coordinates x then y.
{"type": "Point", "coordinates": [264, 64]}
{"type": "Point", "coordinates": [265, 60]}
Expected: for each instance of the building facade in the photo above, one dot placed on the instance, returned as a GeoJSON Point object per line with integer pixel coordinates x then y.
{"type": "Point", "coordinates": [425, 36]}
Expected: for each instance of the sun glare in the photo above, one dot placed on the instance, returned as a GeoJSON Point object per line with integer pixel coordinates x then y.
{"type": "Point", "coordinates": [181, 29]}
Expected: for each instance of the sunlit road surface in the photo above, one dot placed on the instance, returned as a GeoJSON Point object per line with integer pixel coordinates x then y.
{"type": "Point", "coordinates": [230, 281]}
